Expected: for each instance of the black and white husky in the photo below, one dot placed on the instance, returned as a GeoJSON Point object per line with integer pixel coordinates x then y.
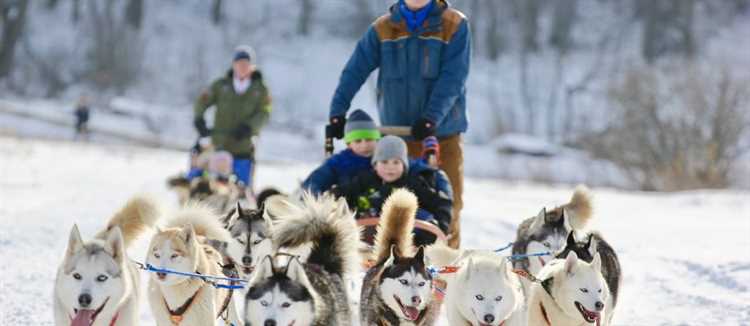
{"type": "Point", "coordinates": [312, 292]}
{"type": "Point", "coordinates": [548, 231]}
{"type": "Point", "coordinates": [610, 264]}
{"type": "Point", "coordinates": [397, 290]}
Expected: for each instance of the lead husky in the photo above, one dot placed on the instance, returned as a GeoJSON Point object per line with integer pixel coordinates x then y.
{"type": "Point", "coordinates": [572, 293]}
{"type": "Point", "coordinates": [548, 231]}
{"type": "Point", "coordinates": [314, 292]}
{"type": "Point", "coordinates": [96, 283]}
{"type": "Point", "coordinates": [484, 291]}
{"type": "Point", "coordinates": [397, 290]}
{"type": "Point", "coordinates": [183, 246]}
{"type": "Point", "coordinates": [610, 264]}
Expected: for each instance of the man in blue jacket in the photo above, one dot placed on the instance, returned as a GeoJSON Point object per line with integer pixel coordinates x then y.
{"type": "Point", "coordinates": [422, 49]}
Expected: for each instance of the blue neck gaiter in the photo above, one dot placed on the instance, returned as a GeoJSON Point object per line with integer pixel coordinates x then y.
{"type": "Point", "coordinates": [414, 19]}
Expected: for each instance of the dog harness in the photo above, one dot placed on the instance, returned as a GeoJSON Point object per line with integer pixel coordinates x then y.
{"type": "Point", "coordinates": [176, 315]}
{"type": "Point", "coordinates": [544, 313]}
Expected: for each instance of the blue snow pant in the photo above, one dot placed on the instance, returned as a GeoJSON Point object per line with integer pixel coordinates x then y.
{"type": "Point", "coordinates": [243, 169]}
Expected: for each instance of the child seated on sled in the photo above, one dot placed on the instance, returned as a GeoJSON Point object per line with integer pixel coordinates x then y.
{"type": "Point", "coordinates": [360, 135]}
{"type": "Point", "coordinates": [392, 169]}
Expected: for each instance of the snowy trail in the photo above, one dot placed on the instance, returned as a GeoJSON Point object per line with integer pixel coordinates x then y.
{"type": "Point", "coordinates": [686, 256]}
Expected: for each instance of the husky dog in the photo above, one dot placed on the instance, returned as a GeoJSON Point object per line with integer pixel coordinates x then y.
{"type": "Point", "coordinates": [610, 264]}
{"type": "Point", "coordinates": [397, 290]}
{"type": "Point", "coordinates": [218, 193]}
{"type": "Point", "coordinates": [313, 292]}
{"type": "Point", "coordinates": [572, 293]}
{"type": "Point", "coordinates": [96, 283]}
{"type": "Point", "coordinates": [250, 232]}
{"type": "Point", "coordinates": [483, 292]}
{"type": "Point", "coordinates": [548, 231]}
{"type": "Point", "coordinates": [183, 246]}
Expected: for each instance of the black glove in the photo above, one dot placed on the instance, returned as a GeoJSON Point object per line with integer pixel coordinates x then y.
{"type": "Point", "coordinates": [336, 127]}
{"type": "Point", "coordinates": [422, 129]}
{"type": "Point", "coordinates": [242, 131]}
{"type": "Point", "coordinates": [200, 125]}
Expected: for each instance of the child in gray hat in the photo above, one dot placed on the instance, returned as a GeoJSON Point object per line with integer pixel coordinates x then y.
{"type": "Point", "coordinates": [392, 169]}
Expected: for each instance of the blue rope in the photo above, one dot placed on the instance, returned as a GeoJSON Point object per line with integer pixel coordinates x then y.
{"type": "Point", "coordinates": [522, 256]}
{"type": "Point", "coordinates": [206, 278]}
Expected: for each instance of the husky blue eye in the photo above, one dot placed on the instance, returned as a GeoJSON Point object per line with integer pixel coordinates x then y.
{"type": "Point", "coordinates": [479, 297]}
{"type": "Point", "coordinates": [264, 303]}
{"type": "Point", "coordinates": [101, 278]}
{"type": "Point", "coordinates": [403, 281]}
{"type": "Point", "coordinates": [77, 276]}
{"type": "Point", "coordinates": [286, 305]}
{"type": "Point", "coordinates": [174, 256]}
{"type": "Point", "coordinates": [499, 298]}
{"type": "Point", "coordinates": [157, 255]}
{"type": "Point", "coordinates": [240, 241]}
{"type": "Point", "coordinates": [546, 244]}
{"type": "Point", "coordinates": [584, 290]}
{"type": "Point", "coordinates": [257, 242]}
{"type": "Point", "coordinates": [421, 284]}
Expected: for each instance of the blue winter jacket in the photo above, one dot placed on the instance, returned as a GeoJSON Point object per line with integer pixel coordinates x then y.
{"type": "Point", "coordinates": [422, 74]}
{"type": "Point", "coordinates": [337, 169]}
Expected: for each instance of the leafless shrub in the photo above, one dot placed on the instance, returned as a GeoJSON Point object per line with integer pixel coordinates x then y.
{"type": "Point", "coordinates": [674, 129]}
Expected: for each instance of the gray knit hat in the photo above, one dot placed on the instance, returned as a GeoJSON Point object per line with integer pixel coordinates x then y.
{"type": "Point", "coordinates": [391, 147]}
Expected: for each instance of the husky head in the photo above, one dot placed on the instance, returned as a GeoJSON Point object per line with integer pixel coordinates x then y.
{"type": "Point", "coordinates": [547, 233]}
{"type": "Point", "coordinates": [91, 278]}
{"type": "Point", "coordinates": [487, 292]}
{"type": "Point", "coordinates": [579, 288]}
{"type": "Point", "coordinates": [251, 238]}
{"type": "Point", "coordinates": [175, 249]}
{"type": "Point", "coordinates": [283, 298]}
{"type": "Point", "coordinates": [405, 284]}
{"type": "Point", "coordinates": [582, 249]}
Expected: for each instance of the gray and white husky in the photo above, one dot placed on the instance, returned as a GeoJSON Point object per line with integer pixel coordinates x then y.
{"type": "Point", "coordinates": [548, 231]}
{"type": "Point", "coordinates": [250, 232]}
{"type": "Point", "coordinates": [397, 290]}
{"type": "Point", "coordinates": [483, 292]}
{"type": "Point", "coordinates": [571, 293]}
{"type": "Point", "coordinates": [96, 284]}
{"type": "Point", "coordinates": [310, 292]}
{"type": "Point", "coordinates": [610, 264]}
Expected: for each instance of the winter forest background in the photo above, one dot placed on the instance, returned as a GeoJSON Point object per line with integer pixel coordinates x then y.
{"type": "Point", "coordinates": [638, 94]}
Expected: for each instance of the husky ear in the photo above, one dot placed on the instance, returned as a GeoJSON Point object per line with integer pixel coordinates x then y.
{"type": "Point", "coordinates": [571, 239]}
{"type": "Point", "coordinates": [75, 243]}
{"type": "Point", "coordinates": [597, 262]}
{"type": "Point", "coordinates": [420, 256]}
{"type": "Point", "coordinates": [570, 262]}
{"type": "Point", "coordinates": [265, 268]}
{"type": "Point", "coordinates": [538, 221]}
{"type": "Point", "coordinates": [566, 220]}
{"type": "Point", "coordinates": [504, 262]}
{"type": "Point", "coordinates": [188, 233]}
{"type": "Point", "coordinates": [392, 257]}
{"type": "Point", "coordinates": [296, 272]}
{"type": "Point", "coordinates": [116, 244]}
{"type": "Point", "coordinates": [468, 268]}
{"type": "Point", "coordinates": [592, 246]}
{"type": "Point", "coordinates": [227, 220]}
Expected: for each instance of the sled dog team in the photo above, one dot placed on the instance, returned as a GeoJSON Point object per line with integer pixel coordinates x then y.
{"type": "Point", "coordinates": [297, 261]}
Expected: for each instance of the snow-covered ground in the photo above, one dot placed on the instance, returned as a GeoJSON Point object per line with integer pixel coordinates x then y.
{"type": "Point", "coordinates": [685, 256]}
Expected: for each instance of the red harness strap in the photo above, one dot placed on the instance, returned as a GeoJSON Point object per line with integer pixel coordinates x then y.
{"type": "Point", "coordinates": [114, 319]}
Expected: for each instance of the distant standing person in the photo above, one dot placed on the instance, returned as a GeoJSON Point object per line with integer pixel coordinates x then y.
{"type": "Point", "coordinates": [423, 50]}
{"type": "Point", "coordinates": [82, 113]}
{"type": "Point", "coordinates": [243, 107]}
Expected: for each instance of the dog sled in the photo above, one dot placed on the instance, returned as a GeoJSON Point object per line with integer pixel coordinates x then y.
{"type": "Point", "coordinates": [368, 225]}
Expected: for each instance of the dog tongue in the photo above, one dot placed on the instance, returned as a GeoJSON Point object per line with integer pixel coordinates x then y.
{"type": "Point", "coordinates": [84, 317]}
{"type": "Point", "coordinates": [411, 313]}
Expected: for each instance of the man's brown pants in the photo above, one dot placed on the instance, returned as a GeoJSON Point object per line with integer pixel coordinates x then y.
{"type": "Point", "coordinates": [452, 162]}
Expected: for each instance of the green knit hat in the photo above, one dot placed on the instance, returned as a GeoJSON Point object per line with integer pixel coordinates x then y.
{"type": "Point", "coordinates": [360, 125]}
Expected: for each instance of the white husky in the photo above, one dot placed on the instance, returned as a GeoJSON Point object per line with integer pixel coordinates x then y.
{"type": "Point", "coordinates": [484, 291]}
{"type": "Point", "coordinates": [572, 293]}
{"type": "Point", "coordinates": [96, 283]}
{"type": "Point", "coordinates": [183, 246]}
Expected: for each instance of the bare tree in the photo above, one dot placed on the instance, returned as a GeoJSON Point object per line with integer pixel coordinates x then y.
{"type": "Point", "coordinates": [216, 12]}
{"type": "Point", "coordinates": [530, 10]}
{"type": "Point", "coordinates": [494, 34]}
{"type": "Point", "coordinates": [75, 11]}
{"type": "Point", "coordinates": [562, 24]}
{"type": "Point", "coordinates": [661, 21]}
{"type": "Point", "coordinates": [307, 7]}
{"type": "Point", "coordinates": [13, 19]}
{"type": "Point", "coordinates": [134, 13]}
